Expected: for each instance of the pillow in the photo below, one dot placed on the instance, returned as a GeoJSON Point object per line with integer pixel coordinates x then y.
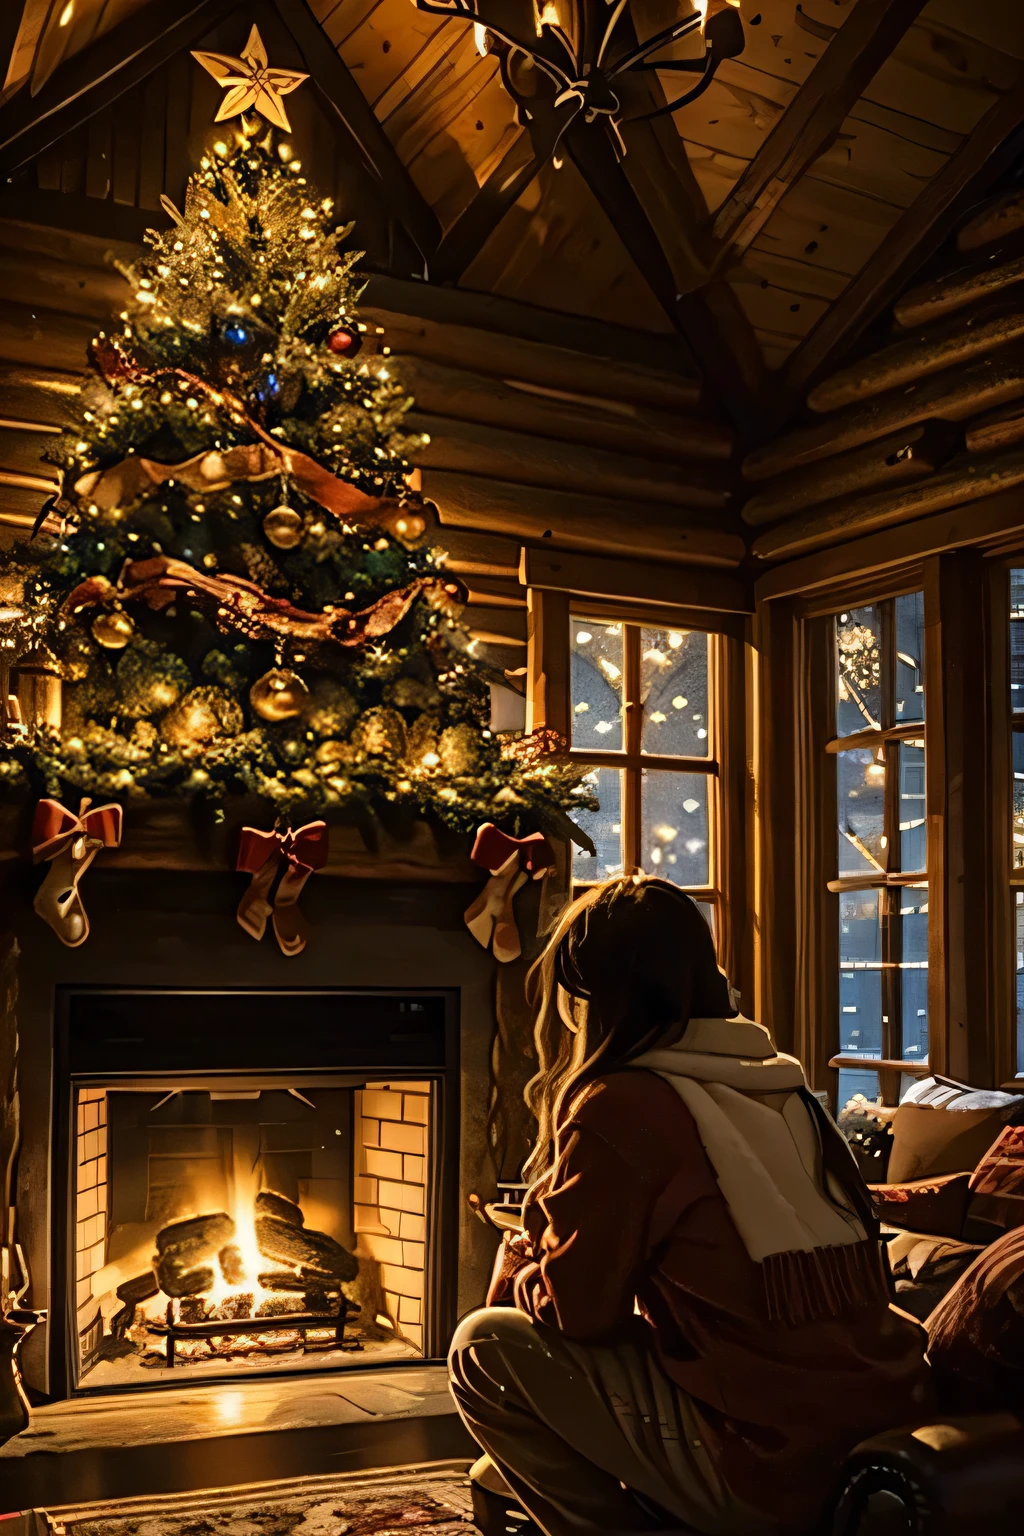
{"type": "Point", "coordinates": [928, 1139]}
{"type": "Point", "coordinates": [935, 1206]}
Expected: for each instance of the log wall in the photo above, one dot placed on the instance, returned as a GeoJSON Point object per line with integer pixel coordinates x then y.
{"type": "Point", "coordinates": [570, 443]}
{"type": "Point", "coordinates": [930, 417]}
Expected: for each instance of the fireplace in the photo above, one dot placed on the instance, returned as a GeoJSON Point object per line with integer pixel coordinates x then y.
{"type": "Point", "coordinates": [251, 1181]}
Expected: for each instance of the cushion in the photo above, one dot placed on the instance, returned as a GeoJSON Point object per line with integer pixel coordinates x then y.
{"type": "Point", "coordinates": [936, 1206]}
{"type": "Point", "coordinates": [928, 1139]}
{"type": "Point", "coordinates": [925, 1269]}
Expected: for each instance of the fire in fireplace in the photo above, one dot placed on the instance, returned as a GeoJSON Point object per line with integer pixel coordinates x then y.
{"type": "Point", "coordinates": [250, 1219]}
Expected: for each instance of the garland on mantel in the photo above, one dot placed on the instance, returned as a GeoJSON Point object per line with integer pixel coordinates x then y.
{"type": "Point", "coordinates": [238, 589]}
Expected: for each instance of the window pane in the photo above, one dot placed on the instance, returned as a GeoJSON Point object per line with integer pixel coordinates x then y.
{"type": "Point", "coordinates": [913, 831]}
{"type": "Point", "coordinates": [604, 826]}
{"type": "Point", "coordinates": [1018, 800]}
{"type": "Point", "coordinates": [708, 911]}
{"type": "Point", "coordinates": [914, 972]}
{"type": "Point", "coordinates": [674, 690]}
{"type": "Point", "coordinates": [910, 657]}
{"type": "Point", "coordinates": [851, 1082]}
{"type": "Point", "coordinates": [1019, 917]}
{"type": "Point", "coordinates": [859, 676]}
{"type": "Point", "coordinates": [1017, 639]}
{"type": "Point", "coordinates": [860, 972]}
{"type": "Point", "coordinates": [597, 665]}
{"type": "Point", "coordinates": [860, 791]}
{"type": "Point", "coordinates": [674, 826]}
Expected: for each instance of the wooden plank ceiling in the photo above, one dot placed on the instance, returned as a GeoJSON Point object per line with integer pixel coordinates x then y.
{"type": "Point", "coordinates": [738, 222]}
{"type": "Point", "coordinates": [707, 279]}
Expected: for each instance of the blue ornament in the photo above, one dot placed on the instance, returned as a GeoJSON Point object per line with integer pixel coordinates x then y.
{"type": "Point", "coordinates": [236, 333]}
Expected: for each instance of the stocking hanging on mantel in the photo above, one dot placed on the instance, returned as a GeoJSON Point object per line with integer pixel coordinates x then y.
{"type": "Point", "coordinates": [512, 861]}
{"type": "Point", "coordinates": [69, 843]}
{"type": "Point", "coordinates": [238, 579]}
{"type": "Point", "coordinates": [280, 864]}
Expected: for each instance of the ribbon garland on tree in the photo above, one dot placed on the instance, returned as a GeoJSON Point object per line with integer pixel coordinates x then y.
{"type": "Point", "coordinates": [215, 469]}
{"type": "Point", "coordinates": [242, 605]}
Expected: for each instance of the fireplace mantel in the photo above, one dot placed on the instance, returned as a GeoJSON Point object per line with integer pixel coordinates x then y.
{"type": "Point", "coordinates": [175, 835]}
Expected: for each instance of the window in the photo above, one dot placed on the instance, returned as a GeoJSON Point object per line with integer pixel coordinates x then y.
{"type": "Point", "coordinates": [1017, 831]}
{"type": "Point", "coordinates": [643, 716]}
{"type": "Point", "coordinates": [881, 852]}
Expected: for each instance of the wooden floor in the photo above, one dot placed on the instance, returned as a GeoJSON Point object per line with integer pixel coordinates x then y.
{"type": "Point", "coordinates": [131, 1444]}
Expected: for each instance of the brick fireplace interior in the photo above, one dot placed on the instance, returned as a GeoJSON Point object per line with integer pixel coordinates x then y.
{"type": "Point", "coordinates": [256, 1173]}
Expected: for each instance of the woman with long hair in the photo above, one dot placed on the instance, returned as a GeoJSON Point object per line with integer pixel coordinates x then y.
{"type": "Point", "coordinates": [693, 1327]}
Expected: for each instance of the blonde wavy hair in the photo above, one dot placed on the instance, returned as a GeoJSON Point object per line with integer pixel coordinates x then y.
{"type": "Point", "coordinates": [626, 967]}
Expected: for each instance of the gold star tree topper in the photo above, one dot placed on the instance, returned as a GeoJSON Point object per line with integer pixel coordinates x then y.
{"type": "Point", "coordinates": [250, 82]}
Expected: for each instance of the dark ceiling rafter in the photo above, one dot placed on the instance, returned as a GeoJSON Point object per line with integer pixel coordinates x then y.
{"type": "Point", "coordinates": [93, 78]}
{"type": "Point", "coordinates": [10, 26]}
{"type": "Point", "coordinates": [813, 118]}
{"type": "Point", "coordinates": [331, 74]}
{"type": "Point", "coordinates": [596, 161]}
{"type": "Point", "coordinates": [996, 142]}
{"type": "Point", "coordinates": [466, 237]}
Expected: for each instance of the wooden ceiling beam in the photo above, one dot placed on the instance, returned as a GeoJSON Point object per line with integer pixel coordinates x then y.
{"type": "Point", "coordinates": [995, 143]}
{"type": "Point", "coordinates": [813, 118]}
{"type": "Point", "coordinates": [100, 73]}
{"type": "Point", "coordinates": [465, 239]}
{"type": "Point", "coordinates": [691, 315]}
{"type": "Point", "coordinates": [328, 69]}
{"type": "Point", "coordinates": [10, 26]}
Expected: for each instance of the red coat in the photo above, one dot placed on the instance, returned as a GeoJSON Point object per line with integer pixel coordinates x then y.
{"type": "Point", "coordinates": [632, 1210]}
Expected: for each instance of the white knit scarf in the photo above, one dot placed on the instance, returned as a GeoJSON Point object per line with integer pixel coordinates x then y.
{"type": "Point", "coordinates": [768, 1162]}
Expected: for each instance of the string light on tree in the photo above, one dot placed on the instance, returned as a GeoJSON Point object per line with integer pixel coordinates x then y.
{"type": "Point", "coordinates": [243, 599]}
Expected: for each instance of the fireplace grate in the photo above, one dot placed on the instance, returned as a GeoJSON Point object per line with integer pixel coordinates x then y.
{"type": "Point", "coordinates": [293, 1322]}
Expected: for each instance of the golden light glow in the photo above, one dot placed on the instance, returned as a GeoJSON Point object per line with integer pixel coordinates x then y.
{"type": "Point", "coordinates": [66, 14]}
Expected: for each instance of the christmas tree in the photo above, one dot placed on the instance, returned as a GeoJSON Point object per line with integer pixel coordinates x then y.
{"type": "Point", "coordinates": [237, 584]}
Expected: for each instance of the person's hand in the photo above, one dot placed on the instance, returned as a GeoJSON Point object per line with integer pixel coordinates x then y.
{"type": "Point", "coordinates": [515, 1253]}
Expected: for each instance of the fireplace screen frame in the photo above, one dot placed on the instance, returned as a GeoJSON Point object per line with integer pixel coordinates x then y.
{"type": "Point", "coordinates": [79, 1063]}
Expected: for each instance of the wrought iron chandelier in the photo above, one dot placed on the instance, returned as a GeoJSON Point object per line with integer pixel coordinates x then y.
{"type": "Point", "coordinates": [584, 49]}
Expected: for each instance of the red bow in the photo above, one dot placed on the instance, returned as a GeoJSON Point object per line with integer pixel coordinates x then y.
{"type": "Point", "coordinates": [293, 855]}
{"type": "Point", "coordinates": [55, 828]}
{"type": "Point", "coordinates": [512, 861]}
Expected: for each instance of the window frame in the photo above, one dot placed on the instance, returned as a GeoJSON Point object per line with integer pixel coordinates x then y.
{"type": "Point", "coordinates": [796, 724]}
{"type": "Point", "coordinates": [891, 1064]}
{"type": "Point", "coordinates": [631, 759]}
{"type": "Point", "coordinates": [1007, 880]}
{"type": "Point", "coordinates": [549, 704]}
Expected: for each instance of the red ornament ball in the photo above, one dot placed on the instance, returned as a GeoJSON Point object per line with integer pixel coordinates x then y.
{"type": "Point", "coordinates": [343, 341]}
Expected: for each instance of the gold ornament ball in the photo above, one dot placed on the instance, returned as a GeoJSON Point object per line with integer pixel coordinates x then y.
{"type": "Point", "coordinates": [205, 714]}
{"type": "Point", "coordinates": [279, 695]}
{"type": "Point", "coordinates": [112, 630]}
{"type": "Point", "coordinates": [283, 527]}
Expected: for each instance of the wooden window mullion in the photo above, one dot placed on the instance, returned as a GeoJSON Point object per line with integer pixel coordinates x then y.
{"type": "Point", "coordinates": [632, 737]}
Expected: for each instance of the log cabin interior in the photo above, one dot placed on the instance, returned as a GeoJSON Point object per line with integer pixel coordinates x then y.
{"type": "Point", "coordinates": [711, 313]}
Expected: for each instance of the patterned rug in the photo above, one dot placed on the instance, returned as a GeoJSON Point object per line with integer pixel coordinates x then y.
{"type": "Point", "coordinates": [432, 1499]}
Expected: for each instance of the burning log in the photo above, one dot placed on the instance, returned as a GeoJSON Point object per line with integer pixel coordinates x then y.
{"type": "Point", "coordinates": [200, 1236]}
{"type": "Point", "coordinates": [286, 1244]}
{"type": "Point", "coordinates": [232, 1265]}
{"type": "Point", "coordinates": [177, 1280]}
{"type": "Point", "coordinates": [270, 1203]}
{"type": "Point", "coordinates": [234, 1308]}
{"type": "Point", "coordinates": [181, 1249]}
{"type": "Point", "coordinates": [279, 1306]}
{"type": "Point", "coordinates": [142, 1288]}
{"type": "Point", "coordinates": [193, 1309]}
